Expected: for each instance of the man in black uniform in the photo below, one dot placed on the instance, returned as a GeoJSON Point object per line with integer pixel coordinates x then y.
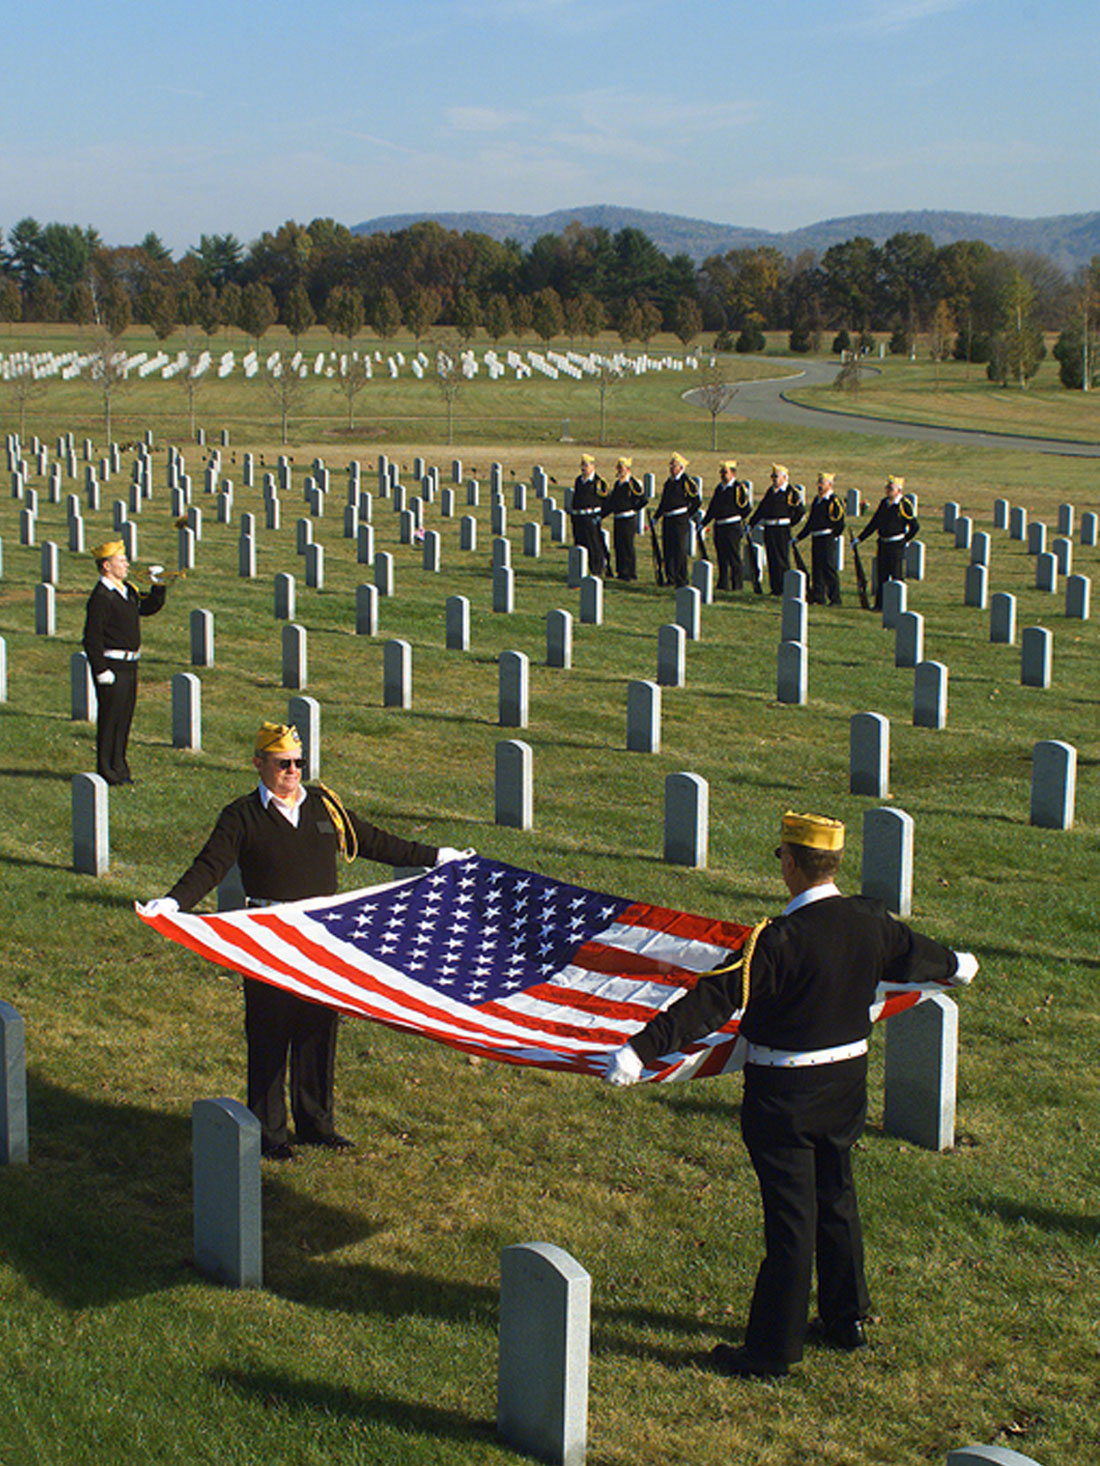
{"type": "Point", "coordinates": [729, 504]}
{"type": "Point", "coordinates": [824, 525]}
{"type": "Point", "coordinates": [623, 502]}
{"type": "Point", "coordinates": [778, 511]}
{"type": "Point", "coordinates": [588, 508]}
{"type": "Point", "coordinates": [679, 502]}
{"type": "Point", "coordinates": [810, 980]}
{"type": "Point", "coordinates": [285, 839]}
{"type": "Point", "coordinates": [895, 522]}
{"type": "Point", "coordinates": [112, 644]}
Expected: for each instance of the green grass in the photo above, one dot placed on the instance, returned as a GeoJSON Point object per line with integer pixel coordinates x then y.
{"type": "Point", "coordinates": [960, 396]}
{"type": "Point", "coordinates": [374, 1339]}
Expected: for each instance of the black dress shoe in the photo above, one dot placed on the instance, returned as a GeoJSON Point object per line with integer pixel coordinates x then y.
{"type": "Point", "coordinates": [328, 1142]}
{"type": "Point", "coordinates": [741, 1364]}
{"type": "Point", "coordinates": [848, 1336]}
{"type": "Point", "coordinates": [281, 1152]}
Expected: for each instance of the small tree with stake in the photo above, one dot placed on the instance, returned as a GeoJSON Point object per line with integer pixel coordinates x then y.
{"type": "Point", "coordinates": [715, 395]}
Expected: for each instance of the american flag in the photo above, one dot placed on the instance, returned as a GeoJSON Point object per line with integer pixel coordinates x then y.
{"type": "Point", "coordinates": [496, 961]}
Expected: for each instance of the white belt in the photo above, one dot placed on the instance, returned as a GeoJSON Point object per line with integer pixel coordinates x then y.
{"type": "Point", "coordinates": [775, 523]}
{"type": "Point", "coordinates": [815, 534]}
{"type": "Point", "coordinates": [786, 1059]}
{"type": "Point", "coordinates": [890, 539]}
{"type": "Point", "coordinates": [583, 512]}
{"type": "Point", "coordinates": [670, 512]}
{"type": "Point", "coordinates": [733, 519]}
{"type": "Point", "coordinates": [120, 656]}
{"type": "Point", "coordinates": [626, 514]}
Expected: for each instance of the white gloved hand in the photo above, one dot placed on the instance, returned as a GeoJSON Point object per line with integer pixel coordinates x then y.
{"type": "Point", "coordinates": [623, 1067]}
{"type": "Point", "coordinates": [155, 572]}
{"type": "Point", "coordinates": [448, 852]}
{"type": "Point", "coordinates": [105, 678]}
{"type": "Point", "coordinates": [966, 969]}
{"type": "Point", "coordinates": [159, 906]}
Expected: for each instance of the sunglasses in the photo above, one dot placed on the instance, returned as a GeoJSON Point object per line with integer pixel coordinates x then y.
{"type": "Point", "coordinates": [289, 763]}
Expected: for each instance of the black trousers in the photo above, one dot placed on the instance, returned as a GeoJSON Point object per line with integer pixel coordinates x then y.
{"type": "Point", "coordinates": [824, 580]}
{"type": "Point", "coordinates": [777, 547]}
{"type": "Point", "coordinates": [622, 536]}
{"type": "Point", "coordinates": [115, 705]}
{"type": "Point", "coordinates": [799, 1126]}
{"type": "Point", "coordinates": [586, 532]}
{"type": "Point", "coordinates": [278, 1024]}
{"type": "Point", "coordinates": [675, 539]}
{"type": "Point", "coordinates": [727, 550]}
{"type": "Point", "coordinates": [890, 566]}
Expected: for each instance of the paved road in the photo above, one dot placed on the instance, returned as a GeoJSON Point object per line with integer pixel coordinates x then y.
{"type": "Point", "coordinates": [767, 400]}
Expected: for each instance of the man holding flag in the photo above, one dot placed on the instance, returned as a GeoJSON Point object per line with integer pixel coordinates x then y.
{"type": "Point", "coordinates": [806, 982]}
{"type": "Point", "coordinates": [286, 838]}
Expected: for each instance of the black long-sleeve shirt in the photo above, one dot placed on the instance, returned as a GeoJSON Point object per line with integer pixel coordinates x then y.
{"type": "Point", "coordinates": [892, 520]}
{"type": "Point", "coordinates": [112, 621]}
{"type": "Point", "coordinates": [283, 862]}
{"type": "Point", "coordinates": [813, 977]}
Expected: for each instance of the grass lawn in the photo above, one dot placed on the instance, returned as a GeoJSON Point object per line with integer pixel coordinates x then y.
{"type": "Point", "coordinates": [374, 1338]}
{"type": "Point", "coordinates": [960, 396]}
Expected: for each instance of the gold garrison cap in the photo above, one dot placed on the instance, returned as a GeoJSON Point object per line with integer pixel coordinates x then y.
{"type": "Point", "coordinates": [730, 465]}
{"type": "Point", "coordinates": [817, 831]}
{"type": "Point", "coordinates": [895, 481]}
{"type": "Point", "coordinates": [826, 478]}
{"type": "Point", "coordinates": [277, 738]}
{"type": "Point", "coordinates": [107, 549]}
{"type": "Point", "coordinates": [627, 463]}
{"type": "Point", "coordinates": [588, 459]}
{"type": "Point", "coordinates": [678, 459]}
{"type": "Point", "coordinates": [780, 468]}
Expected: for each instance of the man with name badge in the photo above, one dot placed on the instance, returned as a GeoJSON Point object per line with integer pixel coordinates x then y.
{"type": "Point", "coordinates": [286, 838]}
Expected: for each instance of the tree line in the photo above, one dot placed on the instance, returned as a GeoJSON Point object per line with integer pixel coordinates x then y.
{"type": "Point", "coordinates": [964, 299]}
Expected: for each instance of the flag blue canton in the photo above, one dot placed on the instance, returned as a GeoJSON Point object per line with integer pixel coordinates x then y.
{"type": "Point", "coordinates": [480, 934]}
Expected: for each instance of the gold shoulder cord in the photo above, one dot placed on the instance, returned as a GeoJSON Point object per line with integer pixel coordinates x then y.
{"type": "Point", "coordinates": [746, 959]}
{"type": "Point", "coordinates": [345, 830]}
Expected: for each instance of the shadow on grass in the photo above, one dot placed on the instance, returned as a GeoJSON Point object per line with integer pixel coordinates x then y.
{"type": "Point", "coordinates": [61, 775]}
{"type": "Point", "coordinates": [27, 863]}
{"type": "Point", "coordinates": [1045, 1218]}
{"type": "Point", "coordinates": [103, 1210]}
{"type": "Point", "coordinates": [318, 1398]}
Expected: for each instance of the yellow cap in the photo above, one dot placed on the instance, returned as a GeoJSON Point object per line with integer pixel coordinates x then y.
{"type": "Point", "coordinates": [895, 481]}
{"type": "Point", "coordinates": [586, 458]}
{"type": "Point", "coordinates": [780, 468]}
{"type": "Point", "coordinates": [817, 831]}
{"type": "Point", "coordinates": [678, 459]}
{"type": "Point", "coordinates": [277, 738]}
{"type": "Point", "coordinates": [730, 465]}
{"type": "Point", "coordinates": [627, 463]}
{"type": "Point", "coordinates": [826, 478]}
{"type": "Point", "coordinates": [107, 549]}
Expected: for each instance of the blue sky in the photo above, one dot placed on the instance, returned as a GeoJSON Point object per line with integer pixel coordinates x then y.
{"type": "Point", "coordinates": [212, 117]}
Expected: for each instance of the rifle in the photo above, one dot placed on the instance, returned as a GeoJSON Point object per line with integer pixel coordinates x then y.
{"type": "Point", "coordinates": [798, 560]}
{"type": "Point", "coordinates": [752, 562]}
{"type": "Point", "coordinates": [697, 522]}
{"type": "Point", "coordinates": [861, 576]}
{"type": "Point", "coordinates": [658, 559]}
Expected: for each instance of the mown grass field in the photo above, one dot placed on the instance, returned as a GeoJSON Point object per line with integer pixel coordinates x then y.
{"type": "Point", "coordinates": [374, 1339]}
{"type": "Point", "coordinates": [960, 396]}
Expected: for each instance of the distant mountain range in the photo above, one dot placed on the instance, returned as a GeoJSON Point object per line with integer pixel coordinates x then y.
{"type": "Point", "coordinates": [1069, 240]}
